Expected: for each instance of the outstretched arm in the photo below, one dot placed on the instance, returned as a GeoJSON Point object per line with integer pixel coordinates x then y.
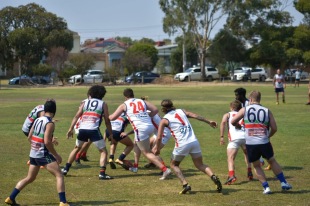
{"type": "Point", "coordinates": [163, 123]}
{"type": "Point", "coordinates": [121, 108]}
{"type": "Point", "coordinates": [212, 124]}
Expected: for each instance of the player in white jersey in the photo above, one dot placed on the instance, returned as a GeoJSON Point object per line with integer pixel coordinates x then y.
{"type": "Point", "coordinates": [279, 85]}
{"type": "Point", "coordinates": [92, 111]}
{"type": "Point", "coordinates": [167, 135]}
{"type": "Point", "coordinates": [140, 120]}
{"type": "Point", "coordinates": [186, 142]}
{"type": "Point", "coordinates": [42, 153]}
{"type": "Point", "coordinates": [35, 113]}
{"type": "Point", "coordinates": [260, 126]}
{"type": "Point", "coordinates": [236, 140]}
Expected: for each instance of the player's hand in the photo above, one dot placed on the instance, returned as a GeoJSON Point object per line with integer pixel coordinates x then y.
{"type": "Point", "coordinates": [69, 134]}
{"type": "Point", "coordinates": [54, 141]}
{"type": "Point", "coordinates": [222, 142]}
{"type": "Point", "coordinates": [58, 158]}
{"type": "Point", "coordinates": [213, 124]}
{"type": "Point", "coordinates": [155, 150]}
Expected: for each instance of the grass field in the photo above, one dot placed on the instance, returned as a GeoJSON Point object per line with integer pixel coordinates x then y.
{"type": "Point", "coordinates": [291, 146]}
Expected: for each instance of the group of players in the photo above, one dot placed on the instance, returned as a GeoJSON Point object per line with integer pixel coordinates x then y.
{"type": "Point", "coordinates": [250, 126]}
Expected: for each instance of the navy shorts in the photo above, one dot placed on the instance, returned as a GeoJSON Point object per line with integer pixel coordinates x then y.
{"type": "Point", "coordinates": [256, 151]}
{"type": "Point", "coordinates": [116, 135]}
{"type": "Point", "coordinates": [277, 90]}
{"type": "Point", "coordinates": [49, 158]}
{"type": "Point", "coordinates": [92, 135]}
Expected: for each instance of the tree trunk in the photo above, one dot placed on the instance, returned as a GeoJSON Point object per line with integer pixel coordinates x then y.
{"type": "Point", "coordinates": [202, 66]}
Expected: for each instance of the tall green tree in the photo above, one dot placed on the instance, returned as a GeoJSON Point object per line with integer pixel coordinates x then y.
{"type": "Point", "coordinates": [227, 48]}
{"type": "Point", "coordinates": [303, 6]}
{"type": "Point", "coordinates": [82, 62]}
{"type": "Point", "coordinates": [140, 57]}
{"type": "Point", "coordinates": [195, 17]}
{"type": "Point", "coordinates": [27, 32]}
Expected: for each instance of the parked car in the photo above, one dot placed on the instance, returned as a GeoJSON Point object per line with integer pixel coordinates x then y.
{"type": "Point", "coordinates": [290, 74]}
{"type": "Point", "coordinates": [142, 77]}
{"type": "Point", "coordinates": [246, 73]}
{"type": "Point", "coordinates": [41, 79]}
{"type": "Point", "coordinates": [90, 76]}
{"type": "Point", "coordinates": [16, 80]}
{"type": "Point", "coordinates": [194, 73]}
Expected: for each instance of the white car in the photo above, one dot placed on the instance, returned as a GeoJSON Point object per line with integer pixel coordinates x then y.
{"type": "Point", "coordinates": [90, 76]}
{"type": "Point", "coordinates": [242, 73]}
{"type": "Point", "coordinates": [194, 73]}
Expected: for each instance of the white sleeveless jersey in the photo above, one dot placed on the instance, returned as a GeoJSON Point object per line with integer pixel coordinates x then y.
{"type": "Point", "coordinates": [256, 123]}
{"type": "Point", "coordinates": [180, 127]}
{"type": "Point", "coordinates": [136, 111]}
{"type": "Point", "coordinates": [119, 124]}
{"type": "Point", "coordinates": [279, 80]}
{"type": "Point", "coordinates": [38, 148]}
{"type": "Point", "coordinates": [233, 133]}
{"type": "Point", "coordinates": [156, 120]}
{"type": "Point", "coordinates": [77, 124]}
{"type": "Point", "coordinates": [92, 114]}
{"type": "Point", "coordinates": [32, 116]}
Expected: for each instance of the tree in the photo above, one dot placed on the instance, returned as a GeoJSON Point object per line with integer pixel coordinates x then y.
{"type": "Point", "coordinates": [303, 6]}
{"type": "Point", "coordinates": [227, 48]}
{"type": "Point", "coordinates": [195, 17]}
{"type": "Point", "coordinates": [57, 58]}
{"type": "Point", "coordinates": [190, 53]}
{"type": "Point", "coordinates": [82, 62]}
{"type": "Point", "coordinates": [28, 32]}
{"type": "Point", "coordinates": [136, 61]}
{"type": "Point", "coordinates": [140, 57]}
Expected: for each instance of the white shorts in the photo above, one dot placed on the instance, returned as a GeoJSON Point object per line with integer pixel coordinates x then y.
{"type": "Point", "coordinates": [236, 144]}
{"type": "Point", "coordinates": [190, 148]}
{"type": "Point", "coordinates": [165, 138]}
{"type": "Point", "coordinates": [143, 134]}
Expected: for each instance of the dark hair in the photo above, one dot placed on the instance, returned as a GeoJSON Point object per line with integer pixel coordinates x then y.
{"type": "Point", "coordinates": [50, 106]}
{"type": "Point", "coordinates": [97, 91]}
{"type": "Point", "coordinates": [236, 105]}
{"type": "Point", "coordinates": [240, 91]}
{"type": "Point", "coordinates": [167, 105]}
{"type": "Point", "coordinates": [128, 93]}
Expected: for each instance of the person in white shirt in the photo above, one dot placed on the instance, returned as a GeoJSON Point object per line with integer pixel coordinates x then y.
{"type": "Point", "coordinates": [279, 85]}
{"type": "Point", "coordinates": [297, 77]}
{"type": "Point", "coordinates": [186, 142]}
{"type": "Point", "coordinates": [140, 120]}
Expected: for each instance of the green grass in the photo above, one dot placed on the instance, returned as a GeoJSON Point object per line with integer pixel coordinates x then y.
{"type": "Point", "coordinates": [291, 146]}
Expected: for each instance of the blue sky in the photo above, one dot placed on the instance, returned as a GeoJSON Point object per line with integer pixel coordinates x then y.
{"type": "Point", "coordinates": [111, 18]}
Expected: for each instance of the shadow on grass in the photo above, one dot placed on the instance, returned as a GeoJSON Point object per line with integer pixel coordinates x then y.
{"type": "Point", "coordinates": [292, 168]}
{"type": "Point", "coordinates": [80, 203]}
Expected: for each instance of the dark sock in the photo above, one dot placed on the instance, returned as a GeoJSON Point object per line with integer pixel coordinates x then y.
{"type": "Point", "coordinates": [112, 157]}
{"type": "Point", "coordinates": [67, 167]}
{"type": "Point", "coordinates": [62, 197]}
{"type": "Point", "coordinates": [14, 194]}
{"type": "Point", "coordinates": [102, 170]}
{"type": "Point", "coordinates": [122, 157]}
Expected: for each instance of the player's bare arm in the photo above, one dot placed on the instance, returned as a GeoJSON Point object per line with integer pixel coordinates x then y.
{"type": "Point", "coordinates": [121, 108]}
{"type": "Point", "coordinates": [152, 108]}
{"type": "Point", "coordinates": [273, 125]}
{"type": "Point", "coordinates": [74, 120]}
{"type": "Point", "coordinates": [223, 127]}
{"type": "Point", "coordinates": [212, 124]}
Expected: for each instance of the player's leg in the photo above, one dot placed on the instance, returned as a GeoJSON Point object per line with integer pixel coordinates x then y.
{"type": "Point", "coordinates": [100, 145]}
{"type": "Point", "coordinates": [31, 176]}
{"type": "Point", "coordinates": [54, 169]}
{"type": "Point", "coordinates": [231, 155]}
